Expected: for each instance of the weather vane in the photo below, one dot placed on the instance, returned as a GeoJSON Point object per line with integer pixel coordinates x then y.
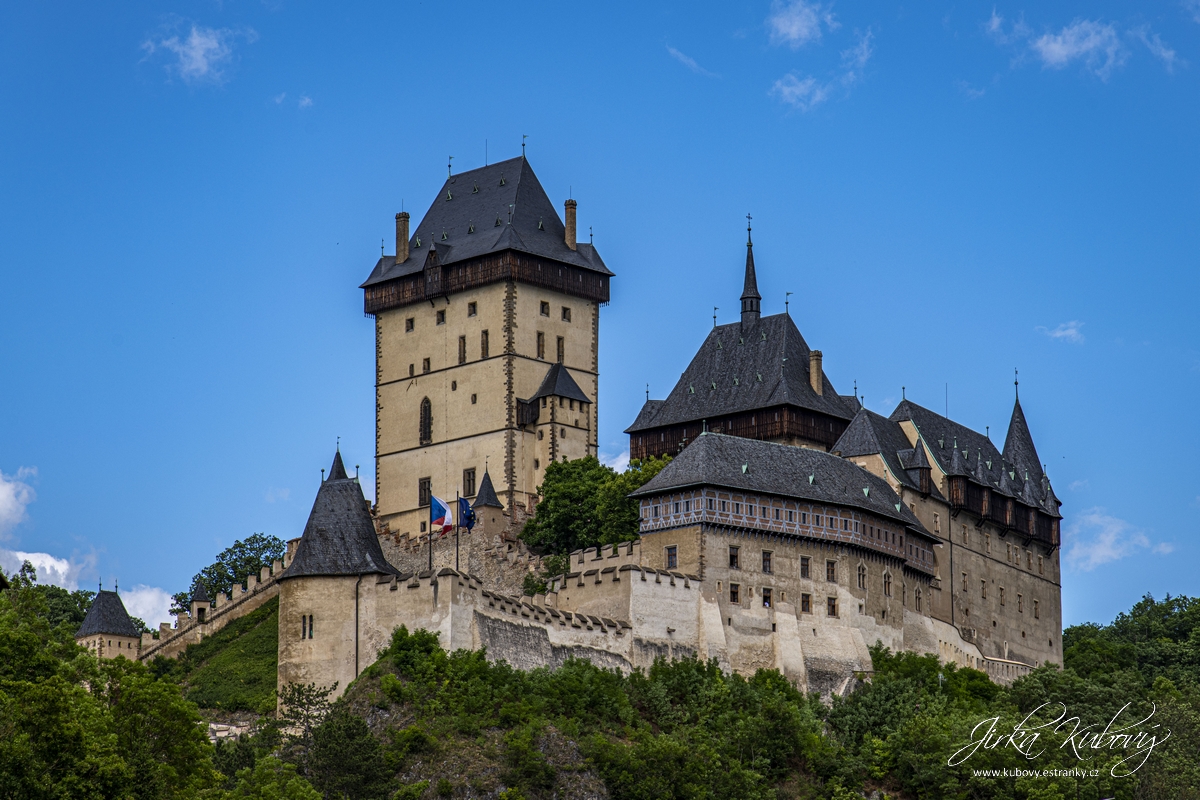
{"type": "Point", "coordinates": [523, 138]}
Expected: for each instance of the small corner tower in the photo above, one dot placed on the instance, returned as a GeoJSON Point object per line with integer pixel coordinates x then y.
{"type": "Point", "coordinates": [201, 605]}
{"type": "Point", "coordinates": [107, 630]}
{"type": "Point", "coordinates": [751, 299]}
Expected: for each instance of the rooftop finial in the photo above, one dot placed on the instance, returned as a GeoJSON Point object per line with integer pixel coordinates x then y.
{"type": "Point", "coordinates": [322, 474]}
{"type": "Point", "coordinates": [523, 138]}
{"type": "Point", "coordinates": [591, 236]}
{"type": "Point", "coordinates": [856, 387]}
{"type": "Point", "coordinates": [751, 299]}
{"type": "Point", "coordinates": [902, 395]}
{"type": "Point", "coordinates": [786, 295]}
{"type": "Point", "coordinates": [449, 171]}
{"type": "Point", "coordinates": [338, 446]}
{"type": "Point", "coordinates": [714, 316]}
{"type": "Point", "coordinates": [1016, 384]}
{"type": "Point", "coordinates": [381, 248]}
{"type": "Point", "coordinates": [647, 392]}
{"type": "Point", "coordinates": [748, 240]}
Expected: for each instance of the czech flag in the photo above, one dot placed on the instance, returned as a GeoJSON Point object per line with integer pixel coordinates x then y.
{"type": "Point", "coordinates": [441, 519]}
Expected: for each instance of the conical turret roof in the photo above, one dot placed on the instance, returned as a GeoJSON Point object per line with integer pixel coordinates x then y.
{"type": "Point", "coordinates": [340, 537]}
{"type": "Point", "coordinates": [200, 594]}
{"type": "Point", "coordinates": [107, 616]}
{"type": "Point", "coordinates": [486, 497]}
{"type": "Point", "coordinates": [1018, 446]}
{"type": "Point", "coordinates": [337, 472]}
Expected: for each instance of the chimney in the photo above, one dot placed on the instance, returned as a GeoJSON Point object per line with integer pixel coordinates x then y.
{"type": "Point", "coordinates": [402, 237]}
{"type": "Point", "coordinates": [570, 237]}
{"type": "Point", "coordinates": [815, 376]}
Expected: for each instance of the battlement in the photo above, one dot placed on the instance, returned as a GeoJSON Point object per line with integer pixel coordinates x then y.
{"type": "Point", "coordinates": [244, 598]}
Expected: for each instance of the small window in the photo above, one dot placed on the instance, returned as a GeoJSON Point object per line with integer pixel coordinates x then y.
{"type": "Point", "coordinates": [540, 434]}
{"type": "Point", "coordinates": [937, 523]}
{"type": "Point", "coordinates": [983, 589]}
{"type": "Point", "coordinates": [472, 399]}
{"type": "Point", "coordinates": [724, 506]}
{"type": "Point", "coordinates": [566, 314]}
{"type": "Point", "coordinates": [409, 324]}
{"type": "Point", "coordinates": [805, 568]}
{"type": "Point", "coordinates": [749, 510]}
{"type": "Point", "coordinates": [303, 626]}
{"type": "Point", "coordinates": [538, 465]}
{"type": "Point", "coordinates": [1041, 570]}
{"type": "Point", "coordinates": [483, 344]}
{"type": "Point", "coordinates": [425, 365]}
{"type": "Point", "coordinates": [468, 483]}
{"type": "Point", "coordinates": [803, 517]}
{"type": "Point", "coordinates": [887, 584]}
{"type": "Point", "coordinates": [541, 345]}
{"type": "Point", "coordinates": [411, 370]}
{"type": "Point", "coordinates": [765, 512]}
{"type": "Point", "coordinates": [817, 520]}
{"type": "Point", "coordinates": [426, 422]}
{"type": "Point", "coordinates": [1001, 595]}
{"type": "Point", "coordinates": [917, 596]}
{"type": "Point", "coordinates": [310, 626]}
{"type": "Point", "coordinates": [656, 512]}
{"type": "Point", "coordinates": [964, 577]}
{"type": "Point", "coordinates": [423, 492]}
{"type": "Point", "coordinates": [472, 309]}
{"type": "Point", "coordinates": [966, 539]}
{"type": "Point", "coordinates": [735, 593]}
{"type": "Point", "coordinates": [676, 508]}
{"type": "Point", "coordinates": [737, 508]}
{"type": "Point", "coordinates": [791, 516]}
{"type": "Point", "coordinates": [766, 561]}
{"type": "Point", "coordinates": [454, 386]}
{"type": "Point", "coordinates": [1020, 604]}
{"type": "Point", "coordinates": [562, 349]}
{"type": "Point", "coordinates": [831, 571]}
{"type": "Point", "coordinates": [987, 542]}
{"type": "Point", "coordinates": [687, 506]}
{"type": "Point", "coordinates": [462, 349]}
{"type": "Point", "coordinates": [766, 597]}
{"type": "Point", "coordinates": [862, 577]}
{"type": "Point", "coordinates": [441, 317]}
{"type": "Point", "coordinates": [1037, 611]}
{"type": "Point", "coordinates": [672, 557]}
{"type": "Point", "coordinates": [734, 558]}
{"type": "Point", "coordinates": [545, 309]}
{"type": "Point", "coordinates": [422, 527]}
{"type": "Point", "coordinates": [1029, 560]}
{"type": "Point", "coordinates": [806, 603]}
{"type": "Point", "coordinates": [831, 606]}
{"type": "Point", "coordinates": [712, 504]}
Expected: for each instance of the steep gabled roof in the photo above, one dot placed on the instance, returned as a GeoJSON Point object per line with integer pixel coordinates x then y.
{"type": "Point", "coordinates": [870, 434]}
{"type": "Point", "coordinates": [107, 616]}
{"type": "Point", "coordinates": [744, 367]}
{"type": "Point", "coordinates": [783, 470]}
{"type": "Point", "coordinates": [1018, 446]}
{"type": "Point", "coordinates": [486, 496]}
{"type": "Point", "coordinates": [200, 594]}
{"type": "Point", "coordinates": [339, 538]}
{"type": "Point", "coordinates": [559, 383]}
{"type": "Point", "coordinates": [470, 217]}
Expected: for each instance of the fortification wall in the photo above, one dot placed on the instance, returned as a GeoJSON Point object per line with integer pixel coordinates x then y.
{"type": "Point", "coordinates": [173, 640]}
{"type": "Point", "coordinates": [500, 560]}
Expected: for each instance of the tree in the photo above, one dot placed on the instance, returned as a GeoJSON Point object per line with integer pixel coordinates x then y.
{"type": "Point", "coordinates": [585, 503]}
{"type": "Point", "coordinates": [245, 557]}
{"type": "Point", "coordinates": [346, 760]}
{"type": "Point", "coordinates": [271, 779]}
{"type": "Point", "coordinates": [302, 708]}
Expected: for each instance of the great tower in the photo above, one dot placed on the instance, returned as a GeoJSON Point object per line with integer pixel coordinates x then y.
{"type": "Point", "coordinates": [487, 324]}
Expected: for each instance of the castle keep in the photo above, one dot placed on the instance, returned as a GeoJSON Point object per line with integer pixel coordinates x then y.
{"type": "Point", "coordinates": [793, 528]}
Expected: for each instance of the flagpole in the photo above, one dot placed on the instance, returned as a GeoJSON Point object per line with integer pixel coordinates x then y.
{"type": "Point", "coordinates": [431, 531]}
{"type": "Point", "coordinates": [457, 525]}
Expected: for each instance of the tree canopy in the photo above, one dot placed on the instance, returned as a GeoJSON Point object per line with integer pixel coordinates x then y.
{"type": "Point", "coordinates": [233, 564]}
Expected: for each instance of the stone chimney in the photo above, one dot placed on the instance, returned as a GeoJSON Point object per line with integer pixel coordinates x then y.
{"type": "Point", "coordinates": [815, 376]}
{"type": "Point", "coordinates": [570, 237]}
{"type": "Point", "coordinates": [402, 237]}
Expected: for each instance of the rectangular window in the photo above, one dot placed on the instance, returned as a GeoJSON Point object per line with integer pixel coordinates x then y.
{"type": "Point", "coordinates": [766, 561]}
{"type": "Point", "coordinates": [408, 325]}
{"type": "Point", "coordinates": [1041, 570]}
{"type": "Point", "coordinates": [791, 517]}
{"type": "Point", "coordinates": [423, 491]}
{"type": "Point", "coordinates": [887, 584]}
{"type": "Point", "coordinates": [749, 510]}
{"type": "Point", "coordinates": [441, 317]}
{"type": "Point", "coordinates": [765, 512]}
{"type": "Point", "coordinates": [735, 593]}
{"type": "Point", "coordinates": [468, 486]}
{"type": "Point", "coordinates": [724, 505]}
{"type": "Point", "coordinates": [656, 512]}
{"type": "Point", "coordinates": [937, 523]}
{"type": "Point", "coordinates": [983, 589]}
{"type": "Point", "coordinates": [964, 576]}
{"type": "Point", "coordinates": [545, 309]}
{"type": "Point", "coordinates": [766, 597]}
{"type": "Point", "coordinates": [817, 520]}
{"type": "Point", "coordinates": [562, 349]}
{"type": "Point", "coordinates": [424, 365]}
{"type": "Point", "coordinates": [1008, 553]}
{"type": "Point", "coordinates": [672, 557]}
{"type": "Point", "coordinates": [831, 571]}
{"type": "Point", "coordinates": [566, 314]}
{"type": "Point", "coordinates": [462, 349]}
{"type": "Point", "coordinates": [1020, 604]}
{"type": "Point", "coordinates": [472, 309]}
{"type": "Point", "coordinates": [677, 508]}
{"type": "Point", "coordinates": [862, 577]}
{"type": "Point", "coordinates": [1037, 611]}
{"type": "Point", "coordinates": [734, 558]}
{"type": "Point", "coordinates": [1001, 595]}
{"type": "Point", "coordinates": [806, 603]}
{"type": "Point", "coordinates": [831, 606]}
{"type": "Point", "coordinates": [987, 542]}
{"type": "Point", "coordinates": [541, 345]}
{"type": "Point", "coordinates": [805, 569]}
{"type": "Point", "coordinates": [1029, 560]}
{"type": "Point", "coordinates": [737, 508]}
{"type": "Point", "coordinates": [411, 370]}
{"type": "Point", "coordinates": [777, 513]}
{"type": "Point", "coordinates": [712, 504]}
{"type": "Point", "coordinates": [687, 506]}
{"type": "Point", "coordinates": [483, 344]}
{"type": "Point", "coordinates": [966, 539]}
{"type": "Point", "coordinates": [803, 517]}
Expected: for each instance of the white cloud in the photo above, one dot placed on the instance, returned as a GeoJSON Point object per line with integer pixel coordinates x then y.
{"type": "Point", "coordinates": [1066, 331]}
{"type": "Point", "coordinates": [149, 603]}
{"type": "Point", "coordinates": [15, 497]}
{"type": "Point", "coordinates": [798, 22]}
{"type": "Point", "coordinates": [1192, 7]}
{"type": "Point", "coordinates": [1096, 44]}
{"type": "Point", "coordinates": [1077, 485]}
{"type": "Point", "coordinates": [202, 55]}
{"type": "Point", "coordinates": [279, 98]}
{"type": "Point", "coordinates": [50, 569]}
{"type": "Point", "coordinates": [304, 102]}
{"type": "Point", "coordinates": [970, 91]}
{"type": "Point", "coordinates": [1157, 47]}
{"type": "Point", "coordinates": [855, 59]}
{"type": "Point", "coordinates": [690, 63]}
{"type": "Point", "coordinates": [619, 462]}
{"type": "Point", "coordinates": [1095, 537]}
{"type": "Point", "coordinates": [802, 93]}
{"type": "Point", "coordinates": [995, 29]}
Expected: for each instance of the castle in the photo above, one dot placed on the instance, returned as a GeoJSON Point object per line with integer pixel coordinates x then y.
{"type": "Point", "coordinates": [793, 528]}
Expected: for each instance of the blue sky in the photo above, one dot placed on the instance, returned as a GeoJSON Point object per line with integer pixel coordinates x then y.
{"type": "Point", "coordinates": [192, 192]}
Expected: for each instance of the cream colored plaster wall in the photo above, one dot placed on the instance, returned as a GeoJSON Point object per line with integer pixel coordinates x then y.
{"type": "Point", "coordinates": [329, 656]}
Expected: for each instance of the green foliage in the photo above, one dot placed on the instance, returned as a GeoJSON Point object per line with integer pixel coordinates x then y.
{"type": "Point", "coordinates": [411, 791]}
{"type": "Point", "coordinates": [235, 668]}
{"type": "Point", "coordinates": [245, 557]}
{"type": "Point", "coordinates": [269, 779]}
{"type": "Point", "coordinates": [69, 607]}
{"type": "Point", "coordinates": [303, 707]}
{"type": "Point", "coordinates": [346, 760]}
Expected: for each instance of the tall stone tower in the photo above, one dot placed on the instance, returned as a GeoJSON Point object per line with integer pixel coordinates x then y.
{"type": "Point", "coordinates": [487, 323]}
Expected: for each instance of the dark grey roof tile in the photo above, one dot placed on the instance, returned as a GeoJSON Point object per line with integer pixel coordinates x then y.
{"type": "Point", "coordinates": [107, 615]}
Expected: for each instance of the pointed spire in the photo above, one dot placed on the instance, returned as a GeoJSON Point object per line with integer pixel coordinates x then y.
{"type": "Point", "coordinates": [486, 496]}
{"type": "Point", "coordinates": [199, 593]}
{"type": "Point", "coordinates": [338, 471]}
{"type": "Point", "coordinates": [1018, 445]}
{"type": "Point", "coordinates": [751, 299]}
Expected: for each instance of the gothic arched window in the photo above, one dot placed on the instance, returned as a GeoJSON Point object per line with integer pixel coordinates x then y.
{"type": "Point", "coordinates": [426, 421]}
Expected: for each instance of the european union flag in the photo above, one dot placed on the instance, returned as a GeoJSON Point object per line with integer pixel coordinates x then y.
{"type": "Point", "coordinates": [466, 514]}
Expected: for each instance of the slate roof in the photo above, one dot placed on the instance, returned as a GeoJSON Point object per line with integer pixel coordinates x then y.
{"type": "Point", "coordinates": [107, 616]}
{"type": "Point", "coordinates": [870, 434]}
{"type": "Point", "coordinates": [750, 286]}
{"type": "Point", "coordinates": [1018, 446]}
{"type": "Point", "coordinates": [753, 353]}
{"type": "Point", "coordinates": [478, 198]}
{"type": "Point", "coordinates": [958, 450]}
{"type": "Point", "coordinates": [645, 417]}
{"type": "Point", "coordinates": [559, 383]}
{"type": "Point", "coordinates": [200, 594]}
{"type": "Point", "coordinates": [486, 496]}
{"type": "Point", "coordinates": [337, 472]}
{"type": "Point", "coordinates": [714, 459]}
{"type": "Point", "coordinates": [339, 538]}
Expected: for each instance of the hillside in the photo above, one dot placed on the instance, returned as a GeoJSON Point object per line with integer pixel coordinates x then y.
{"type": "Point", "coordinates": [235, 668]}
